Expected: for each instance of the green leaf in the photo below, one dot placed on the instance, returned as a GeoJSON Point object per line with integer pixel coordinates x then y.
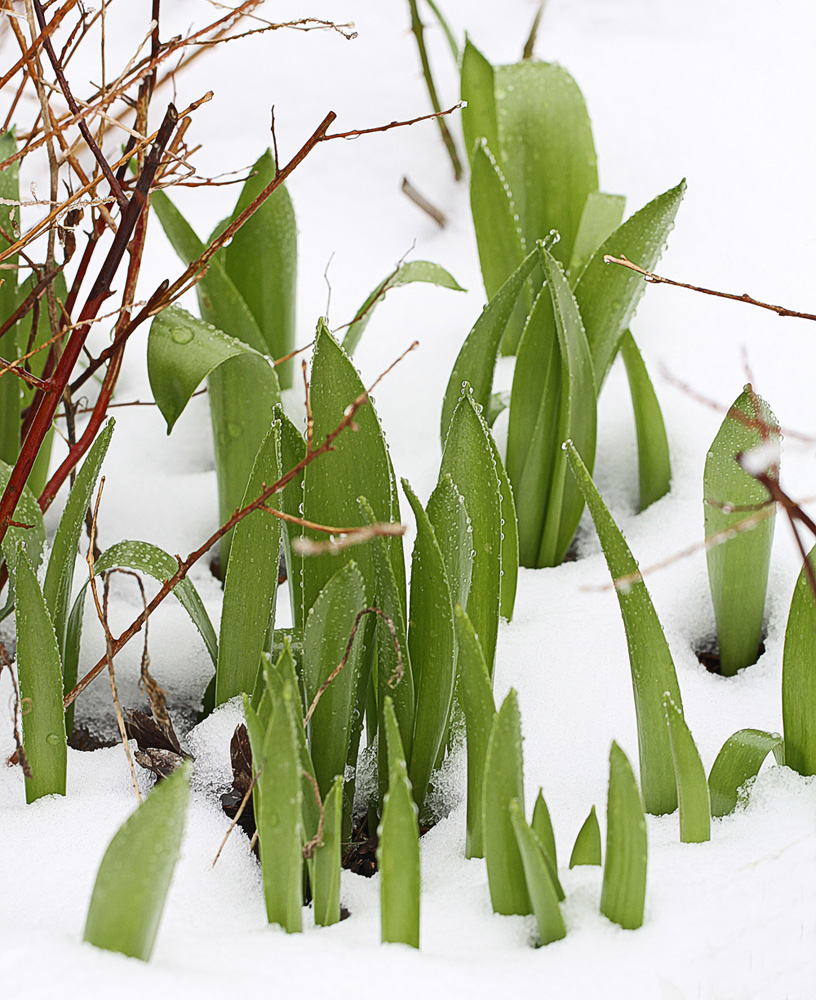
{"type": "Point", "coordinates": [799, 677]}
{"type": "Point", "coordinates": [533, 426]}
{"type": "Point", "coordinates": [324, 871]}
{"type": "Point", "coordinates": [624, 878]}
{"type": "Point", "coordinates": [503, 782]}
{"type": "Point", "coordinates": [654, 464]}
{"type": "Point", "coordinates": [476, 695]}
{"type": "Point", "coordinates": [739, 761]}
{"type": "Point", "coordinates": [479, 118]}
{"type": "Point", "coordinates": [243, 397]}
{"type": "Point", "coordinates": [135, 874]}
{"type": "Point", "coordinates": [587, 847]}
{"type": "Point", "coordinates": [220, 301]}
{"type": "Point", "coordinates": [293, 451]}
{"type": "Point", "coordinates": [358, 465]}
{"type": "Point", "coordinates": [542, 828]}
{"type": "Point", "coordinates": [476, 360]}
{"type": "Point", "coordinates": [546, 149]}
{"type": "Point", "coordinates": [398, 849]}
{"type": "Point", "coordinates": [261, 260]}
{"type": "Point", "coordinates": [40, 677]}
{"type": "Point", "coordinates": [468, 458]}
{"type": "Point", "coordinates": [543, 895]}
{"type": "Point", "coordinates": [509, 539]}
{"type": "Point", "coordinates": [59, 576]}
{"type": "Point", "coordinates": [650, 660]}
{"type": "Point", "coordinates": [403, 274]}
{"type": "Point", "coordinates": [738, 565]}
{"type": "Point", "coordinates": [155, 562]}
{"type": "Point", "coordinates": [544, 412]}
{"type": "Point", "coordinates": [389, 600]}
{"type": "Point", "coordinates": [431, 645]}
{"type": "Point", "coordinates": [692, 788]}
{"type": "Point", "coordinates": [608, 294]}
{"type": "Point", "coordinates": [10, 387]}
{"type": "Point", "coordinates": [182, 351]}
{"type": "Point", "coordinates": [447, 513]}
{"type": "Point", "coordinates": [27, 512]}
{"type": "Point", "coordinates": [277, 799]}
{"type": "Point", "coordinates": [328, 629]}
{"type": "Point", "coordinates": [251, 583]}
{"type": "Point", "coordinates": [274, 677]}
{"type": "Point", "coordinates": [601, 216]}
{"type": "Point", "coordinates": [498, 234]}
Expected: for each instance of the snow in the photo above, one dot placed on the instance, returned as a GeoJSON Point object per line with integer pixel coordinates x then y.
{"type": "Point", "coordinates": [723, 93]}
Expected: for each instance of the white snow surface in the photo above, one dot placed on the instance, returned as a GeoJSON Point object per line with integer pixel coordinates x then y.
{"type": "Point", "coordinates": [722, 93]}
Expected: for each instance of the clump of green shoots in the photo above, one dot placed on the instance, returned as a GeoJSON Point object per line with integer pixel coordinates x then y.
{"type": "Point", "coordinates": [738, 559]}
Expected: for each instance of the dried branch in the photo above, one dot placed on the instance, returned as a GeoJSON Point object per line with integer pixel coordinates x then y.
{"type": "Point", "coordinates": [102, 614]}
{"type": "Point", "coordinates": [422, 202]}
{"type": "Point", "coordinates": [418, 28]}
{"type": "Point", "coordinates": [656, 279]}
{"type": "Point", "coordinates": [351, 536]}
{"type": "Point", "coordinates": [104, 166]}
{"type": "Point", "coordinates": [392, 682]}
{"type": "Point", "coordinates": [45, 405]}
{"type": "Point", "coordinates": [20, 754]}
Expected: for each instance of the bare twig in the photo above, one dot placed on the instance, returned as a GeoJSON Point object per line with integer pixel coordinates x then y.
{"type": "Point", "coordinates": [656, 279]}
{"type": "Point", "coordinates": [22, 760]}
{"type": "Point", "coordinates": [392, 682]}
{"type": "Point", "coordinates": [354, 133]}
{"type": "Point", "coordinates": [418, 28]}
{"type": "Point", "coordinates": [102, 614]}
{"type": "Point", "coordinates": [238, 815]}
{"type": "Point", "coordinates": [104, 166]}
{"type": "Point", "coordinates": [529, 45]}
{"type": "Point", "coordinates": [351, 536]}
{"type": "Point", "coordinates": [422, 202]}
{"type": "Point", "coordinates": [317, 841]}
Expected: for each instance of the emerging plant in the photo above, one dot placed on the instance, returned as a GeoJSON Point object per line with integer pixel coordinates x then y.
{"type": "Point", "coordinates": [624, 879]}
{"type": "Point", "coordinates": [670, 766]}
{"type": "Point", "coordinates": [134, 876]}
{"type": "Point", "coordinates": [735, 499]}
{"type": "Point", "coordinates": [799, 675]}
{"type": "Point", "coordinates": [533, 174]}
{"type": "Point", "coordinates": [574, 328]}
{"type": "Point", "coordinates": [248, 297]}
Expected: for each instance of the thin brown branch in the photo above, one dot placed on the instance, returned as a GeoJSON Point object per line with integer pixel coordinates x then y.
{"type": "Point", "coordinates": [102, 614]}
{"type": "Point", "coordinates": [20, 754]}
{"type": "Point", "coordinates": [656, 279]}
{"type": "Point", "coordinates": [98, 155]}
{"type": "Point", "coordinates": [35, 46]}
{"type": "Point", "coordinates": [392, 682]}
{"type": "Point", "coordinates": [317, 841]}
{"type": "Point", "coordinates": [352, 536]}
{"type": "Point", "coordinates": [354, 133]}
{"type": "Point", "coordinates": [239, 813]}
{"type": "Point", "coordinates": [422, 202]}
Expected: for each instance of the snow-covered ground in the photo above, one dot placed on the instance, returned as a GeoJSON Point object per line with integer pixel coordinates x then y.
{"type": "Point", "coordinates": [723, 93]}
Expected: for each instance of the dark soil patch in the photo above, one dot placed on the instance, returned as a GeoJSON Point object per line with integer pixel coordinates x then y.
{"type": "Point", "coordinates": [709, 656]}
{"type": "Point", "coordinates": [360, 855]}
{"type": "Point", "coordinates": [83, 739]}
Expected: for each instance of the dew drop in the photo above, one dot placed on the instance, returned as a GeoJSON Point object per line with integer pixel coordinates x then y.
{"type": "Point", "coordinates": [182, 334]}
